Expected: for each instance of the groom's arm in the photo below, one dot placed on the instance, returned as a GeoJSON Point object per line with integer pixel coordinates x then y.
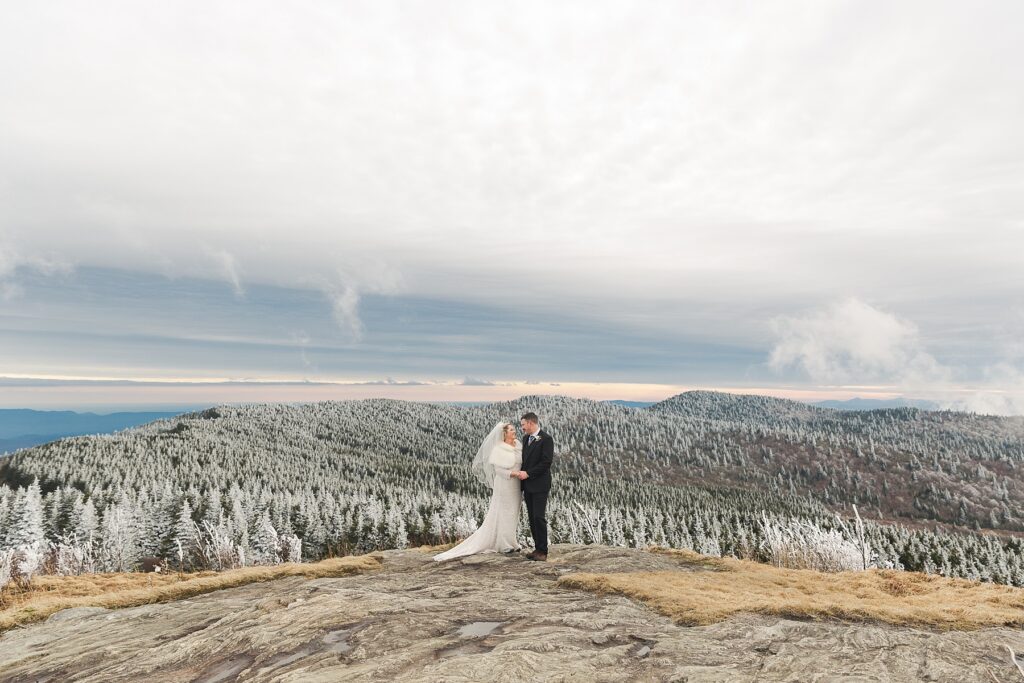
{"type": "Point", "coordinates": [543, 464]}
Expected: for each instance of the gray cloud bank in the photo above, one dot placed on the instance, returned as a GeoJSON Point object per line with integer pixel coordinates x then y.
{"type": "Point", "coordinates": [662, 169]}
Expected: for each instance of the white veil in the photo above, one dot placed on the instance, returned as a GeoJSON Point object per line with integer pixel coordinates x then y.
{"type": "Point", "coordinates": [482, 467]}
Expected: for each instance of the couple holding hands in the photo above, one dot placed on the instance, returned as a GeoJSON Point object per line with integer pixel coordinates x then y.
{"type": "Point", "coordinates": [516, 472]}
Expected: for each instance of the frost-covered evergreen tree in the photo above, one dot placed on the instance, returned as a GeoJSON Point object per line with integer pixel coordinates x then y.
{"type": "Point", "coordinates": [239, 523]}
{"type": "Point", "coordinates": [213, 510]}
{"type": "Point", "coordinates": [119, 542]}
{"type": "Point", "coordinates": [26, 519]}
{"type": "Point", "coordinates": [5, 514]}
{"type": "Point", "coordinates": [396, 535]}
{"type": "Point", "coordinates": [186, 538]}
{"type": "Point", "coordinates": [85, 524]}
{"type": "Point", "coordinates": [265, 542]}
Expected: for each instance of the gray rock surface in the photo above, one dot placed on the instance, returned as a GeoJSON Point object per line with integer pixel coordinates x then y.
{"type": "Point", "coordinates": [483, 618]}
{"type": "Point", "coordinates": [76, 613]}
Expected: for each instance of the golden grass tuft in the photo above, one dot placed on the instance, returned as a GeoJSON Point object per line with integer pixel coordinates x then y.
{"type": "Point", "coordinates": [50, 594]}
{"type": "Point", "coordinates": [691, 558]}
{"type": "Point", "coordinates": [440, 548]}
{"type": "Point", "coordinates": [876, 595]}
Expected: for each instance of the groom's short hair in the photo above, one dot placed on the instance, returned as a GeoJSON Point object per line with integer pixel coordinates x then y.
{"type": "Point", "coordinates": [531, 417]}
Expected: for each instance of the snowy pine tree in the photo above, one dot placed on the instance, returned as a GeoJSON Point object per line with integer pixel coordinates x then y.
{"type": "Point", "coordinates": [186, 539]}
{"type": "Point", "coordinates": [26, 519]}
{"type": "Point", "coordinates": [265, 542]}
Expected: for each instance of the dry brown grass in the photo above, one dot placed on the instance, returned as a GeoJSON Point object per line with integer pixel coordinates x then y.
{"type": "Point", "coordinates": [50, 594]}
{"type": "Point", "coordinates": [433, 549]}
{"type": "Point", "coordinates": [892, 597]}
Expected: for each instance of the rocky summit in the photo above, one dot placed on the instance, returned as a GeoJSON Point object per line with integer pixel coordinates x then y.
{"type": "Point", "coordinates": [480, 618]}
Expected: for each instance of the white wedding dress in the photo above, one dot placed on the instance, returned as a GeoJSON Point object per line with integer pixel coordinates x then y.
{"type": "Point", "coordinates": [498, 532]}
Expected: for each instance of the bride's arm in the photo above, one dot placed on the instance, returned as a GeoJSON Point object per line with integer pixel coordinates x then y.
{"type": "Point", "coordinates": [501, 461]}
{"type": "Point", "coordinates": [517, 458]}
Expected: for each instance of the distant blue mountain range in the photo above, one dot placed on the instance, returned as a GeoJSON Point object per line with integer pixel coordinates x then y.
{"type": "Point", "coordinates": [878, 404]}
{"type": "Point", "coordinates": [849, 404]}
{"type": "Point", "coordinates": [22, 428]}
{"type": "Point", "coordinates": [632, 404]}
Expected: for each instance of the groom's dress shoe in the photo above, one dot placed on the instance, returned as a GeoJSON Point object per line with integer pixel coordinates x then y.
{"type": "Point", "coordinates": [530, 555]}
{"type": "Point", "coordinates": [538, 557]}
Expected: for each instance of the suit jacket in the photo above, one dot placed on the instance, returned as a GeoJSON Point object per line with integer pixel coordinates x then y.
{"type": "Point", "coordinates": [537, 459]}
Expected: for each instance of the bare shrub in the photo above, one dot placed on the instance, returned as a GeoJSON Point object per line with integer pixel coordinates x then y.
{"type": "Point", "coordinates": [291, 548]}
{"type": "Point", "coordinates": [6, 567]}
{"type": "Point", "coordinates": [216, 547]}
{"type": "Point", "coordinates": [798, 544]}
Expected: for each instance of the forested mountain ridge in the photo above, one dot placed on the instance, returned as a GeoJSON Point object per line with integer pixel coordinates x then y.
{"type": "Point", "coordinates": [693, 471]}
{"type": "Point", "coordinates": [958, 468]}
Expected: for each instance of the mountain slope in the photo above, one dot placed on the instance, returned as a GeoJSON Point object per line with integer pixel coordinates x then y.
{"type": "Point", "coordinates": [955, 468]}
{"type": "Point", "coordinates": [716, 405]}
{"type": "Point", "coordinates": [695, 471]}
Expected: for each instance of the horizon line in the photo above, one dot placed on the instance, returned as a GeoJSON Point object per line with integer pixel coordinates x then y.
{"type": "Point", "coordinates": [89, 393]}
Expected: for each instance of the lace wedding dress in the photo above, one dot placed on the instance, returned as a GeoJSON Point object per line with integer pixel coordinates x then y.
{"type": "Point", "coordinates": [498, 532]}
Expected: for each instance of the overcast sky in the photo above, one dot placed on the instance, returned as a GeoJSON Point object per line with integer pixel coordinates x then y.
{"type": "Point", "coordinates": [622, 199]}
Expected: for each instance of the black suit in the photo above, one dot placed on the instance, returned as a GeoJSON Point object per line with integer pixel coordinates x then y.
{"type": "Point", "coordinates": [537, 457]}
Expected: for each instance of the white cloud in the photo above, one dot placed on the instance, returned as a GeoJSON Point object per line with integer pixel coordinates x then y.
{"type": "Point", "coordinates": [11, 260]}
{"type": "Point", "coordinates": [851, 342]}
{"type": "Point", "coordinates": [1008, 400]}
{"type": "Point", "coordinates": [392, 382]}
{"type": "Point", "coordinates": [302, 339]}
{"type": "Point", "coordinates": [345, 308]}
{"type": "Point", "coordinates": [231, 271]}
{"type": "Point", "coordinates": [635, 152]}
{"type": "Point", "coordinates": [344, 290]}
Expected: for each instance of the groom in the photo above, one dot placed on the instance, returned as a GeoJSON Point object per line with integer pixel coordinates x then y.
{"type": "Point", "coordinates": [535, 478]}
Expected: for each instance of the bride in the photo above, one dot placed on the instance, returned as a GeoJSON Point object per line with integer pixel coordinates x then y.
{"type": "Point", "coordinates": [498, 457]}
